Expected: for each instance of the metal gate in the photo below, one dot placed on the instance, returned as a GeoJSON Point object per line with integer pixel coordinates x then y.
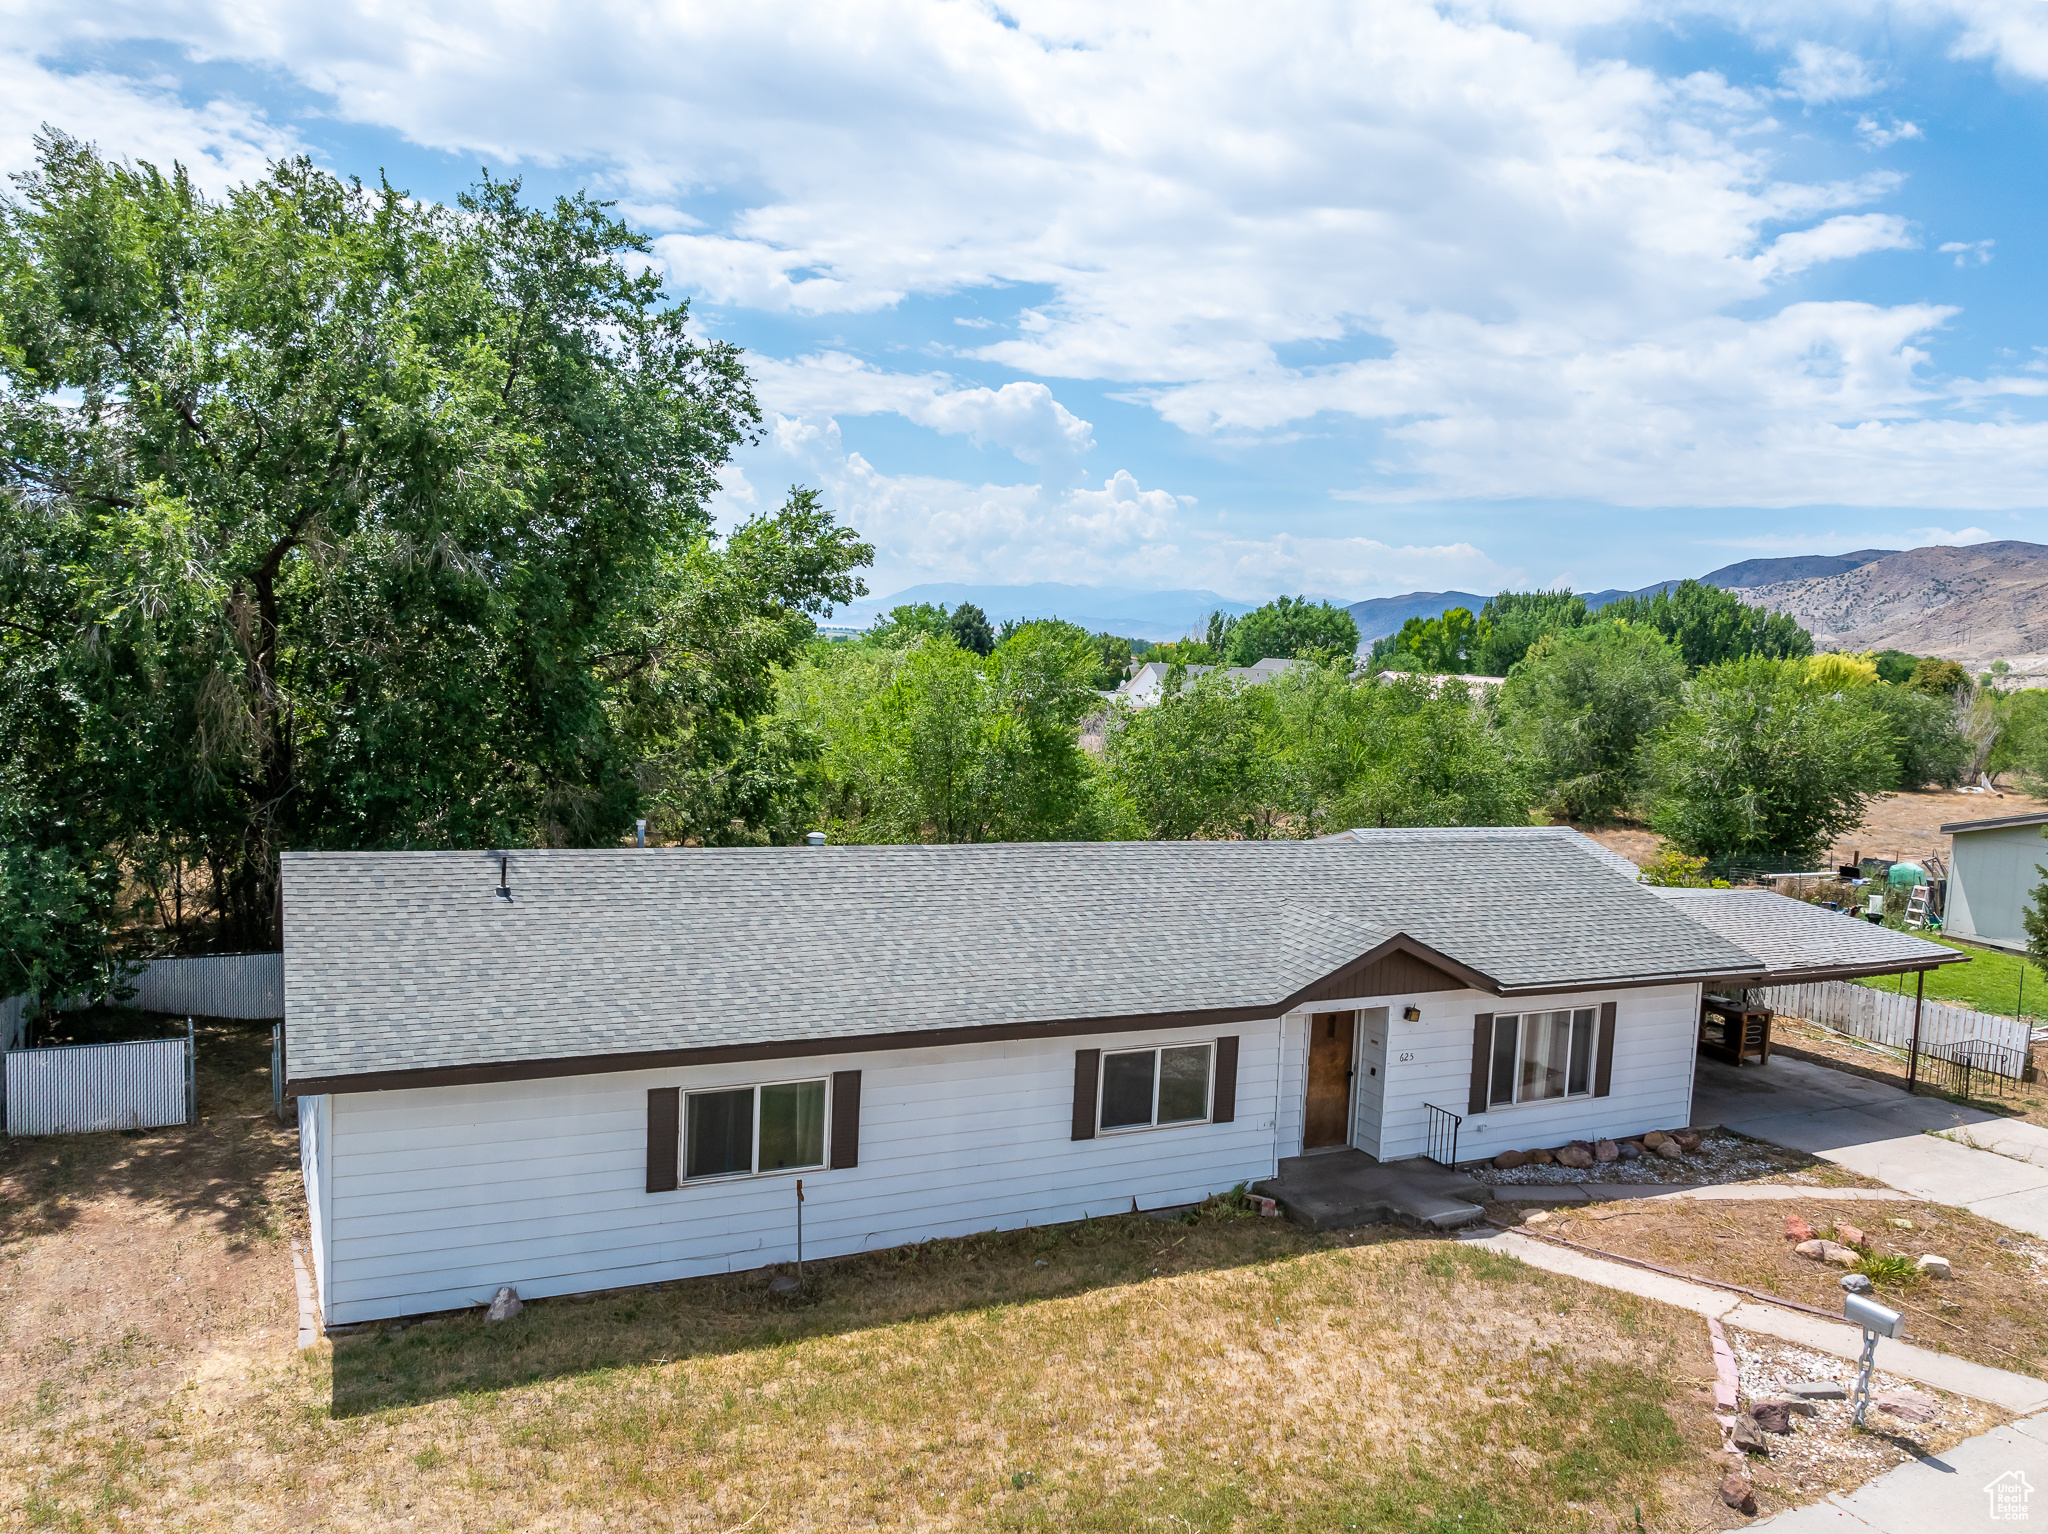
{"type": "Point", "coordinates": [91, 1088]}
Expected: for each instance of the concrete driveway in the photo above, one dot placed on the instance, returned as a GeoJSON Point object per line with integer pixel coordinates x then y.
{"type": "Point", "coordinates": [1925, 1146]}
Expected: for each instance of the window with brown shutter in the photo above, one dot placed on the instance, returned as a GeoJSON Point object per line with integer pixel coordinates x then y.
{"type": "Point", "coordinates": [663, 1126]}
{"type": "Point", "coordinates": [845, 1119]}
{"type": "Point", "coordinates": [1482, 1062]}
{"type": "Point", "coordinates": [1603, 1053]}
{"type": "Point", "coordinates": [1225, 1109]}
{"type": "Point", "coordinates": [1087, 1068]}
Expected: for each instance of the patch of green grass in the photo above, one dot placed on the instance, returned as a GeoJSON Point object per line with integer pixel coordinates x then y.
{"type": "Point", "coordinates": [1887, 1270]}
{"type": "Point", "coordinates": [1990, 982]}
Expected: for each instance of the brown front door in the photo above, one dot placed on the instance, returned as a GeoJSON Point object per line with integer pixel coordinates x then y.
{"type": "Point", "coordinates": [1328, 1121]}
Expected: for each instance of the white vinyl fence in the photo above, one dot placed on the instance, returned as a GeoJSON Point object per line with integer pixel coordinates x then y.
{"type": "Point", "coordinates": [1885, 1017]}
{"type": "Point", "coordinates": [90, 1088]}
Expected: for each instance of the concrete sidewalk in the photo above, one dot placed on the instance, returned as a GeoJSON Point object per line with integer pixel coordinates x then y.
{"type": "Point", "coordinates": [1982, 1483]}
{"type": "Point", "coordinates": [1913, 1144]}
{"type": "Point", "coordinates": [1734, 1192]}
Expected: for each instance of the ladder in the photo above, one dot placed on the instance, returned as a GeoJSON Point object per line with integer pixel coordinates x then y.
{"type": "Point", "coordinates": [1916, 906]}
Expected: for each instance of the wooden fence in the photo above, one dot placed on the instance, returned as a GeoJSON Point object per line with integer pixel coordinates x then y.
{"type": "Point", "coordinates": [1886, 1017]}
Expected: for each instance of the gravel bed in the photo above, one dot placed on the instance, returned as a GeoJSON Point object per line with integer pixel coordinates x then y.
{"type": "Point", "coordinates": [1722, 1157]}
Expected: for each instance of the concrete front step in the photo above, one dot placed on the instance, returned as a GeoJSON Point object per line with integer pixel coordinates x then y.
{"type": "Point", "coordinates": [1336, 1190]}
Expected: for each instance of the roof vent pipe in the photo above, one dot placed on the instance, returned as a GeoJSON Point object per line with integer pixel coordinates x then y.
{"type": "Point", "coordinates": [814, 838]}
{"type": "Point", "coordinates": [639, 833]}
{"type": "Point", "coordinates": [504, 889]}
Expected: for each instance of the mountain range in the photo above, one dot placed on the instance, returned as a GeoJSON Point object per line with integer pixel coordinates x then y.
{"type": "Point", "coordinates": [1975, 603]}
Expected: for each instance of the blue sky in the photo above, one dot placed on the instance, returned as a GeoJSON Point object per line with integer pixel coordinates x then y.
{"type": "Point", "coordinates": [1327, 298]}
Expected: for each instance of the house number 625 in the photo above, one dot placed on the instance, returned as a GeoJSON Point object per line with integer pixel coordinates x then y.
{"type": "Point", "coordinates": [1407, 1054]}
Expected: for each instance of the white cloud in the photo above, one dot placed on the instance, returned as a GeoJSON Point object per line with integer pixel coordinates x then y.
{"type": "Point", "coordinates": [1966, 251]}
{"type": "Point", "coordinates": [1024, 418]}
{"type": "Point", "coordinates": [1878, 136]}
{"type": "Point", "coordinates": [1820, 74]}
{"type": "Point", "coordinates": [1839, 239]}
{"type": "Point", "coordinates": [1924, 536]}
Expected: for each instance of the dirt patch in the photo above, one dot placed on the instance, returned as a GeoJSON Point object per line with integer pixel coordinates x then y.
{"type": "Point", "coordinates": [1722, 1157]}
{"type": "Point", "coordinates": [1994, 1309]}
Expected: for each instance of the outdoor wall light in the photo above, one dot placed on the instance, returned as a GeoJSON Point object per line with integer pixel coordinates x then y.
{"type": "Point", "coordinates": [1411, 1014]}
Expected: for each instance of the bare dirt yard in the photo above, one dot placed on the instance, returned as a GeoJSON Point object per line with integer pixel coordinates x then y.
{"type": "Point", "coordinates": [1902, 827]}
{"type": "Point", "coordinates": [1216, 1371]}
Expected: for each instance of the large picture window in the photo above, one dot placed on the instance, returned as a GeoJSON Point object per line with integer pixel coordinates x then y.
{"type": "Point", "coordinates": [1542, 1056]}
{"type": "Point", "coordinates": [1151, 1088]}
{"type": "Point", "coordinates": [740, 1130]}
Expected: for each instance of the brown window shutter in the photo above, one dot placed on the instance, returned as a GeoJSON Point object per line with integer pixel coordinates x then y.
{"type": "Point", "coordinates": [663, 1137]}
{"type": "Point", "coordinates": [1603, 1052]}
{"type": "Point", "coordinates": [1224, 1109]}
{"type": "Point", "coordinates": [845, 1119]}
{"type": "Point", "coordinates": [1087, 1070]}
{"type": "Point", "coordinates": [1482, 1062]}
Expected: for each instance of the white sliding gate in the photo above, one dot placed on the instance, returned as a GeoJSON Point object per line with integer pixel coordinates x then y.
{"type": "Point", "coordinates": [89, 1088]}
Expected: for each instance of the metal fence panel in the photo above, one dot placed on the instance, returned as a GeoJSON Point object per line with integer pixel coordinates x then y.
{"type": "Point", "coordinates": [90, 1088]}
{"type": "Point", "coordinates": [247, 985]}
{"type": "Point", "coordinates": [1886, 1017]}
{"type": "Point", "coordinates": [13, 1012]}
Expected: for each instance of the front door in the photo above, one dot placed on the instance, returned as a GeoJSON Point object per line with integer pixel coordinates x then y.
{"type": "Point", "coordinates": [1328, 1121]}
{"type": "Point", "coordinates": [1371, 1079]}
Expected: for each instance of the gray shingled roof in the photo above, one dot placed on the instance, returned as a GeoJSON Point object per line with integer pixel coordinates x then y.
{"type": "Point", "coordinates": [1796, 940]}
{"type": "Point", "coordinates": [407, 961]}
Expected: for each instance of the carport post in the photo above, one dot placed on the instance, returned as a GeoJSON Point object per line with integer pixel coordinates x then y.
{"type": "Point", "coordinates": [1913, 1070]}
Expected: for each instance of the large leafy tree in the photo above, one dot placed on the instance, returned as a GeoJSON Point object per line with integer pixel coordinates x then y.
{"type": "Point", "coordinates": [1583, 703]}
{"type": "Point", "coordinates": [1198, 762]}
{"type": "Point", "coordinates": [328, 517]}
{"type": "Point", "coordinates": [1514, 620]}
{"type": "Point", "coordinates": [1761, 760]}
{"type": "Point", "coordinates": [1285, 628]}
{"type": "Point", "coordinates": [1710, 625]}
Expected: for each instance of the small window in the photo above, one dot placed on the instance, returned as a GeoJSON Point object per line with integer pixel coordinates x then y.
{"type": "Point", "coordinates": [1151, 1088]}
{"type": "Point", "coordinates": [1541, 1056]}
{"type": "Point", "coordinates": [778, 1128]}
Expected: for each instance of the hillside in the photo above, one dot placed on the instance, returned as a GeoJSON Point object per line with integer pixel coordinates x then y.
{"type": "Point", "coordinates": [1153, 615]}
{"type": "Point", "coordinates": [1378, 617]}
{"type": "Point", "coordinates": [1797, 567]}
{"type": "Point", "coordinates": [1975, 604]}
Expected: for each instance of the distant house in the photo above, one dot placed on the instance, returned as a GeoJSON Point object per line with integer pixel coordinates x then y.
{"type": "Point", "coordinates": [1147, 685]}
{"type": "Point", "coordinates": [1993, 870]}
{"type": "Point", "coordinates": [579, 1070]}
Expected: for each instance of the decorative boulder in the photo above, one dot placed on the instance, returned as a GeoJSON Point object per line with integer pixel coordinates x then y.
{"type": "Point", "coordinates": [1509, 1160]}
{"type": "Point", "coordinates": [1773, 1416]}
{"type": "Point", "coordinates": [1827, 1251]}
{"type": "Point", "coordinates": [1856, 1283]}
{"type": "Point", "coordinates": [1747, 1436]}
{"type": "Point", "coordinates": [1653, 1139]}
{"type": "Point", "coordinates": [1850, 1235]}
{"type": "Point", "coordinates": [504, 1305]}
{"type": "Point", "coordinates": [1900, 1224]}
{"type": "Point", "coordinates": [1687, 1140]}
{"type": "Point", "coordinates": [1577, 1157]}
{"type": "Point", "coordinates": [1907, 1405]}
{"type": "Point", "coordinates": [1540, 1158]}
{"type": "Point", "coordinates": [1670, 1150]}
{"type": "Point", "coordinates": [1934, 1267]}
{"type": "Point", "coordinates": [1737, 1493]}
{"type": "Point", "coordinates": [1796, 1229]}
{"type": "Point", "coordinates": [1630, 1151]}
{"type": "Point", "coordinates": [1605, 1151]}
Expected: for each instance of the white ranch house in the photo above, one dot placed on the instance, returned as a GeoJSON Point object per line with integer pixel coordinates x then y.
{"type": "Point", "coordinates": [578, 1070]}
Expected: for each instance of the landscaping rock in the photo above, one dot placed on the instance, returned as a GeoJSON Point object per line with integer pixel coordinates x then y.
{"type": "Point", "coordinates": [1772, 1416]}
{"type": "Point", "coordinates": [1850, 1235]}
{"type": "Point", "coordinates": [1817, 1390]}
{"type": "Point", "coordinates": [1670, 1150]}
{"type": "Point", "coordinates": [1540, 1217]}
{"type": "Point", "coordinates": [1908, 1405]}
{"type": "Point", "coordinates": [1738, 1494]}
{"type": "Point", "coordinates": [1630, 1151]}
{"type": "Point", "coordinates": [1508, 1160]}
{"type": "Point", "coordinates": [1540, 1158]}
{"type": "Point", "coordinates": [1687, 1140]}
{"type": "Point", "coordinates": [1800, 1408]}
{"type": "Point", "coordinates": [1900, 1224]}
{"type": "Point", "coordinates": [1796, 1229]}
{"type": "Point", "coordinates": [1653, 1139]}
{"type": "Point", "coordinates": [504, 1305]}
{"type": "Point", "coordinates": [1748, 1437]}
{"type": "Point", "coordinates": [1934, 1267]}
{"type": "Point", "coordinates": [1856, 1283]}
{"type": "Point", "coordinates": [1575, 1157]}
{"type": "Point", "coordinates": [1605, 1151]}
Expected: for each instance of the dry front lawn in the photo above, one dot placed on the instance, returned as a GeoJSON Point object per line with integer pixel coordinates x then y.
{"type": "Point", "coordinates": [1228, 1373]}
{"type": "Point", "coordinates": [1994, 1310]}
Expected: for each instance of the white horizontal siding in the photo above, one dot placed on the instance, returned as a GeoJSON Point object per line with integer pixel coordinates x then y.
{"type": "Point", "coordinates": [1655, 1039]}
{"type": "Point", "coordinates": [434, 1197]}
{"type": "Point", "coordinates": [314, 1119]}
